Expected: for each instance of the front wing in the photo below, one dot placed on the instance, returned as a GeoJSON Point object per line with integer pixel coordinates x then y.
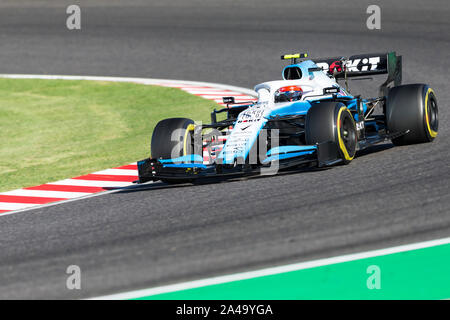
{"type": "Point", "coordinates": [189, 168]}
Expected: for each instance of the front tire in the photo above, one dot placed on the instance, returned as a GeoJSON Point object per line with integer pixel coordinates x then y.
{"type": "Point", "coordinates": [172, 138]}
{"type": "Point", "coordinates": [412, 107]}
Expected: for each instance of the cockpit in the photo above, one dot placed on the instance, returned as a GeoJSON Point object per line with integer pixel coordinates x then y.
{"type": "Point", "coordinates": [288, 94]}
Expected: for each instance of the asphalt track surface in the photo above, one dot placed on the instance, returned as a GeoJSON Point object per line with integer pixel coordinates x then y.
{"type": "Point", "coordinates": [164, 234]}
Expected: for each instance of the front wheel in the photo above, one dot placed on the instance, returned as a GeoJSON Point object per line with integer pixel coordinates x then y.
{"type": "Point", "coordinates": [173, 138]}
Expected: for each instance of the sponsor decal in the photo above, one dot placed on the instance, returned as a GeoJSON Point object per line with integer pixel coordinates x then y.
{"type": "Point", "coordinates": [352, 65]}
{"type": "Point", "coordinates": [247, 127]}
{"type": "Point", "coordinates": [360, 125]}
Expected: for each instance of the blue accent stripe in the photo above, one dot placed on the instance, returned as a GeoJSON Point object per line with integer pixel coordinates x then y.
{"type": "Point", "coordinates": [190, 158]}
{"type": "Point", "coordinates": [185, 165]}
{"type": "Point", "coordinates": [287, 156]}
{"type": "Point", "coordinates": [286, 149]}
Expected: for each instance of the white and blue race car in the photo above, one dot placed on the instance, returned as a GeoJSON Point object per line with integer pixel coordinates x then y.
{"type": "Point", "coordinates": [306, 119]}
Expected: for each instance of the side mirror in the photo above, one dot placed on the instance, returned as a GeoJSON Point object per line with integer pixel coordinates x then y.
{"type": "Point", "coordinates": [228, 100]}
{"type": "Point", "coordinates": [330, 90]}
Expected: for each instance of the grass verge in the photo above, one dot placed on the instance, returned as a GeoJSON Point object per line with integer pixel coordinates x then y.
{"type": "Point", "coordinates": [57, 129]}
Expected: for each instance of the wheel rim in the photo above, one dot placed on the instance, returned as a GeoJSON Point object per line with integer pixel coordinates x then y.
{"type": "Point", "coordinates": [433, 114]}
{"type": "Point", "coordinates": [348, 134]}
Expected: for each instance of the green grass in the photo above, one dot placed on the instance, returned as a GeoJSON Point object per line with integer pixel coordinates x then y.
{"type": "Point", "coordinates": [57, 129]}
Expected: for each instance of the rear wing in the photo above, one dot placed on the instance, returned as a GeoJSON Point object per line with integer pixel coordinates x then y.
{"type": "Point", "coordinates": [365, 65]}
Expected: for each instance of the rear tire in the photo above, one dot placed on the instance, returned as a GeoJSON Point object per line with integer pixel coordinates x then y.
{"type": "Point", "coordinates": [412, 107]}
{"type": "Point", "coordinates": [331, 121]}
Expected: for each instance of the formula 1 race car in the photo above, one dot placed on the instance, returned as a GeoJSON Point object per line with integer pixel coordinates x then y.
{"type": "Point", "coordinates": [306, 119]}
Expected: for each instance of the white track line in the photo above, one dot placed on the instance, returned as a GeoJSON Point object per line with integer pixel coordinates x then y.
{"type": "Point", "coordinates": [118, 172]}
{"type": "Point", "coordinates": [15, 206]}
{"type": "Point", "coordinates": [92, 183]}
{"type": "Point", "coordinates": [51, 204]}
{"type": "Point", "coordinates": [161, 82]}
{"type": "Point", "coordinates": [45, 193]}
{"type": "Point", "coordinates": [271, 271]}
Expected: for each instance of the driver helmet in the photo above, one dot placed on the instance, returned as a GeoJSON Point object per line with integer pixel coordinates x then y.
{"type": "Point", "coordinates": [288, 94]}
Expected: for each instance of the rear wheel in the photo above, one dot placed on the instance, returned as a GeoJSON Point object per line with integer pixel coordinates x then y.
{"type": "Point", "coordinates": [331, 121]}
{"type": "Point", "coordinates": [412, 107]}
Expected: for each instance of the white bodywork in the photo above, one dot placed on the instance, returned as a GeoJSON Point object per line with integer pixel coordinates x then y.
{"type": "Point", "coordinates": [250, 121]}
{"type": "Point", "coordinates": [312, 87]}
